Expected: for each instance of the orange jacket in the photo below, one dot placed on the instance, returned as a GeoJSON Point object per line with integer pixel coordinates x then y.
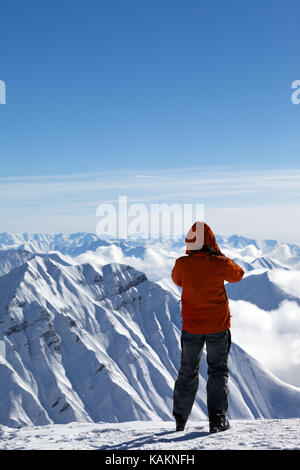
{"type": "Point", "coordinates": [201, 275]}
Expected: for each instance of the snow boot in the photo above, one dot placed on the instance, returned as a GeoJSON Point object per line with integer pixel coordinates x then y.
{"type": "Point", "coordinates": [218, 423]}
{"type": "Point", "coordinates": [180, 423]}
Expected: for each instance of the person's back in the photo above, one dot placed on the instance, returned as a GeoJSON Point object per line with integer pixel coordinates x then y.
{"type": "Point", "coordinates": [205, 319]}
{"type": "Point", "coordinates": [204, 301]}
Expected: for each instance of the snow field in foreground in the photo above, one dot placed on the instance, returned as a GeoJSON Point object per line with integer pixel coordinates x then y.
{"type": "Point", "coordinates": [260, 434]}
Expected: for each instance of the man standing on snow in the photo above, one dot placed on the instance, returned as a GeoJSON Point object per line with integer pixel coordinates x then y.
{"type": "Point", "coordinates": [205, 320]}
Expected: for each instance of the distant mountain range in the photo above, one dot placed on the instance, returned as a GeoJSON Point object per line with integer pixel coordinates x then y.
{"type": "Point", "coordinates": [79, 242]}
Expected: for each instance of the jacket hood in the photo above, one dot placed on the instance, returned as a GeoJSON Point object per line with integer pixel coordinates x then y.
{"type": "Point", "coordinates": [201, 234]}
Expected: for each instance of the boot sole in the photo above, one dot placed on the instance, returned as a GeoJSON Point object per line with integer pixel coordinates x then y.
{"type": "Point", "coordinates": [215, 430]}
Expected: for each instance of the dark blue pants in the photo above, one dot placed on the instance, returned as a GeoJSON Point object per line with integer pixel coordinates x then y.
{"type": "Point", "coordinates": [186, 385]}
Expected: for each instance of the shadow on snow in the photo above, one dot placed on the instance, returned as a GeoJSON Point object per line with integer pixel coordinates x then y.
{"type": "Point", "coordinates": [155, 439]}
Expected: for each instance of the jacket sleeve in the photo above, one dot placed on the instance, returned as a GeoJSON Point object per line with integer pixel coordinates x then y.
{"type": "Point", "coordinates": [176, 275]}
{"type": "Point", "coordinates": [231, 271]}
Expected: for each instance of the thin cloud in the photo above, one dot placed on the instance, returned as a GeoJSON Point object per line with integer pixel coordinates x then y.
{"type": "Point", "coordinates": [200, 180]}
{"type": "Point", "coordinates": [228, 194]}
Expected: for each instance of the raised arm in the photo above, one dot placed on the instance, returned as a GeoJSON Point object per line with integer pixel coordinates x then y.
{"type": "Point", "coordinates": [176, 274]}
{"type": "Point", "coordinates": [231, 271]}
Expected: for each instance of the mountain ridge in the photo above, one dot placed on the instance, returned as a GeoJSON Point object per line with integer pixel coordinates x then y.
{"type": "Point", "coordinates": [124, 329]}
{"type": "Point", "coordinates": [260, 290]}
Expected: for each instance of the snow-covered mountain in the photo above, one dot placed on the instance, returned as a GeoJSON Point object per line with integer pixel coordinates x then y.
{"type": "Point", "coordinates": [10, 259]}
{"type": "Point", "coordinates": [261, 290]}
{"type": "Point", "coordinates": [89, 342]}
{"type": "Point", "coordinates": [72, 244]}
{"type": "Point", "coordinates": [252, 254]}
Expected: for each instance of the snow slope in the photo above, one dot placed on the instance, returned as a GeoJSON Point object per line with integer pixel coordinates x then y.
{"type": "Point", "coordinates": [10, 259]}
{"type": "Point", "coordinates": [87, 343]}
{"type": "Point", "coordinates": [275, 434]}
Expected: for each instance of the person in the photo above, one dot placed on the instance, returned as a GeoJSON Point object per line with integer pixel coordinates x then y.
{"type": "Point", "coordinates": [205, 320]}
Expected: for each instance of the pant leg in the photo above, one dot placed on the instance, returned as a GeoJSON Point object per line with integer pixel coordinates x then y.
{"type": "Point", "coordinates": [217, 347]}
{"type": "Point", "coordinates": [186, 385]}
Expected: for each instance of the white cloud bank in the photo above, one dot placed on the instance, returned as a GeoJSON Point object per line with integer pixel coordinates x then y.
{"type": "Point", "coordinates": [273, 337]}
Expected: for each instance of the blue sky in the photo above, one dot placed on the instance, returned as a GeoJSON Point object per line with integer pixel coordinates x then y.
{"type": "Point", "coordinates": [112, 89]}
